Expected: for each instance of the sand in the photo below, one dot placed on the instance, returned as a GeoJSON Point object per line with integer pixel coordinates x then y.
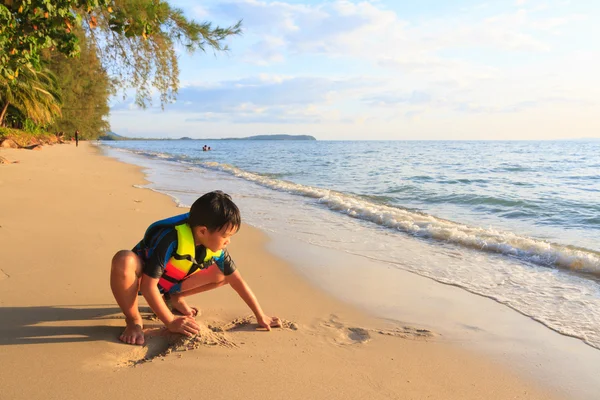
{"type": "Point", "coordinates": [64, 211]}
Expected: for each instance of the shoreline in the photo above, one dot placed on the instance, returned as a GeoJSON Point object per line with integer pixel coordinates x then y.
{"type": "Point", "coordinates": [465, 319]}
{"type": "Point", "coordinates": [78, 344]}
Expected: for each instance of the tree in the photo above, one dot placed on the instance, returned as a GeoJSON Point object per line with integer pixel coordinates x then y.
{"type": "Point", "coordinates": [85, 88]}
{"type": "Point", "coordinates": [29, 26]}
{"type": "Point", "coordinates": [34, 95]}
{"type": "Point", "coordinates": [136, 39]}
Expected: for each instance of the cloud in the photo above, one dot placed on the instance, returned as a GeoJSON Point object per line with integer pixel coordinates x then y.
{"type": "Point", "coordinates": [272, 115]}
{"type": "Point", "coordinates": [414, 98]}
{"type": "Point", "coordinates": [367, 30]}
{"type": "Point", "coordinates": [339, 28]}
{"type": "Point", "coordinates": [264, 98]}
{"type": "Point", "coordinates": [363, 61]}
{"type": "Point", "coordinates": [266, 51]}
{"type": "Point", "coordinates": [520, 106]}
{"type": "Point", "coordinates": [262, 91]}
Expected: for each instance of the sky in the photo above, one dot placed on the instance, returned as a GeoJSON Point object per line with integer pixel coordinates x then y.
{"type": "Point", "coordinates": [386, 70]}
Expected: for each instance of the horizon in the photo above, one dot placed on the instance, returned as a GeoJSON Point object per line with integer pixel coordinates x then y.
{"type": "Point", "coordinates": [384, 70]}
{"type": "Point", "coordinates": [353, 140]}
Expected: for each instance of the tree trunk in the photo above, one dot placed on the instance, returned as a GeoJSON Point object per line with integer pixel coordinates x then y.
{"type": "Point", "coordinates": [3, 114]}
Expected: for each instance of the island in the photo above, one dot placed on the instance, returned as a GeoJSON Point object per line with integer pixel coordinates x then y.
{"type": "Point", "coordinates": [114, 136]}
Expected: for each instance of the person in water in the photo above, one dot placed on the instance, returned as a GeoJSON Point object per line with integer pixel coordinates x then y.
{"type": "Point", "coordinates": [179, 257]}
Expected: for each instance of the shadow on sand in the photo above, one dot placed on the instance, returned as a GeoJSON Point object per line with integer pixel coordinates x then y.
{"type": "Point", "coordinates": [58, 324]}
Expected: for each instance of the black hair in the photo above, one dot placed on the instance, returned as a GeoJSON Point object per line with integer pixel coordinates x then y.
{"type": "Point", "coordinates": [215, 210]}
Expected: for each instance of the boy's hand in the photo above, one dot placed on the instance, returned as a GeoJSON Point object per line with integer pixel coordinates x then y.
{"type": "Point", "coordinates": [269, 322]}
{"type": "Point", "coordinates": [184, 325]}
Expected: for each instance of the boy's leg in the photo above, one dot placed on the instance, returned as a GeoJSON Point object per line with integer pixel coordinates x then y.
{"type": "Point", "coordinates": [201, 281]}
{"type": "Point", "coordinates": [125, 273]}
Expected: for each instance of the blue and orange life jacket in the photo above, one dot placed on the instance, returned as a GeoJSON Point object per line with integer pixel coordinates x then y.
{"type": "Point", "coordinates": [182, 262]}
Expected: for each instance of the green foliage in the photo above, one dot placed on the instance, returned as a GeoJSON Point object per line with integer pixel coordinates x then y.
{"type": "Point", "coordinates": [29, 26]}
{"type": "Point", "coordinates": [31, 127]}
{"type": "Point", "coordinates": [85, 88]}
{"type": "Point", "coordinates": [136, 39]}
{"type": "Point", "coordinates": [34, 95]}
{"type": "Point", "coordinates": [122, 44]}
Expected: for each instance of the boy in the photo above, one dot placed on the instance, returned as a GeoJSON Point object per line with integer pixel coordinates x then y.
{"type": "Point", "coordinates": [179, 257]}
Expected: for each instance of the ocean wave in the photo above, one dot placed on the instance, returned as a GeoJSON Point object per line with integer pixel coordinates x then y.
{"type": "Point", "coordinates": [422, 178]}
{"type": "Point", "coordinates": [463, 181]}
{"type": "Point", "coordinates": [512, 168]}
{"type": "Point", "coordinates": [277, 175]}
{"type": "Point", "coordinates": [423, 225]}
{"type": "Point", "coordinates": [475, 199]}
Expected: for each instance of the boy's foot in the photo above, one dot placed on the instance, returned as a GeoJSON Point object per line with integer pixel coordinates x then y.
{"type": "Point", "coordinates": [180, 306]}
{"type": "Point", "coordinates": [133, 334]}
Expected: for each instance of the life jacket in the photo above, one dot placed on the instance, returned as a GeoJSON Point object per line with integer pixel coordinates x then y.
{"type": "Point", "coordinates": [182, 262]}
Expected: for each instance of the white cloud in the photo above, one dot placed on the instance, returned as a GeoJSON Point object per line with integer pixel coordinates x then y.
{"type": "Point", "coordinates": [508, 60]}
{"type": "Point", "coordinates": [200, 12]}
{"type": "Point", "coordinates": [268, 97]}
{"type": "Point", "coordinates": [266, 51]}
{"type": "Point", "coordinates": [348, 29]}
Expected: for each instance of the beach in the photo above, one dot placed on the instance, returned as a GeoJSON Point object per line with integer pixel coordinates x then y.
{"type": "Point", "coordinates": [64, 212]}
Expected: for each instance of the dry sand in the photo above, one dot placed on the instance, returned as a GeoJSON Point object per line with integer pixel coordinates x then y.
{"type": "Point", "coordinates": [64, 211]}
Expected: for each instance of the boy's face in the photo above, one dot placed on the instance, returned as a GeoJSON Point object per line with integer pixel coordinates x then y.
{"type": "Point", "coordinates": [219, 239]}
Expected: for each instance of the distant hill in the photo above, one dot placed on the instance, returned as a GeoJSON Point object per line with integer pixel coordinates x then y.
{"type": "Point", "coordinates": [276, 137]}
{"type": "Point", "coordinates": [112, 136]}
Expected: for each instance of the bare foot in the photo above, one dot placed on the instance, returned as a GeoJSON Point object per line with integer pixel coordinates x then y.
{"type": "Point", "coordinates": [180, 305]}
{"type": "Point", "coordinates": [133, 334]}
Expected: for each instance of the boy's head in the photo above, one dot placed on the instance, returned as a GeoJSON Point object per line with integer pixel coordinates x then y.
{"type": "Point", "coordinates": [214, 218]}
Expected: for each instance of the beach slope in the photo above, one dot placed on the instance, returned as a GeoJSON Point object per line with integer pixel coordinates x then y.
{"type": "Point", "coordinates": [64, 212]}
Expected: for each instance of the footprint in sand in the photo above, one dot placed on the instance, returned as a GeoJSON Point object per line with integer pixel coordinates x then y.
{"type": "Point", "coordinates": [348, 335]}
{"type": "Point", "coordinates": [345, 335]}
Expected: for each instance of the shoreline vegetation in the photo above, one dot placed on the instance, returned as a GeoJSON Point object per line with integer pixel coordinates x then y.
{"type": "Point", "coordinates": [62, 61]}
{"type": "Point", "coordinates": [20, 139]}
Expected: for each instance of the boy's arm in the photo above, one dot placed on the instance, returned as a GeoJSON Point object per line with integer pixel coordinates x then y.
{"type": "Point", "coordinates": [238, 284]}
{"type": "Point", "coordinates": [149, 288]}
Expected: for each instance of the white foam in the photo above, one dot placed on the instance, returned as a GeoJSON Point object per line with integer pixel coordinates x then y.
{"type": "Point", "coordinates": [567, 303]}
{"type": "Point", "coordinates": [427, 226]}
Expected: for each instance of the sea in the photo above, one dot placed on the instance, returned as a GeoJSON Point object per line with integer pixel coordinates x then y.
{"type": "Point", "coordinates": [513, 221]}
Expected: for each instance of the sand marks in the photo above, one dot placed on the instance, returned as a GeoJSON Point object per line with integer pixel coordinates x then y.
{"type": "Point", "coordinates": [245, 323]}
{"type": "Point", "coordinates": [344, 334]}
{"type": "Point", "coordinates": [3, 275]}
{"type": "Point", "coordinates": [161, 343]}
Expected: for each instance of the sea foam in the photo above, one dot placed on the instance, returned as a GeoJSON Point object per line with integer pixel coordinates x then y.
{"type": "Point", "coordinates": [423, 225]}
